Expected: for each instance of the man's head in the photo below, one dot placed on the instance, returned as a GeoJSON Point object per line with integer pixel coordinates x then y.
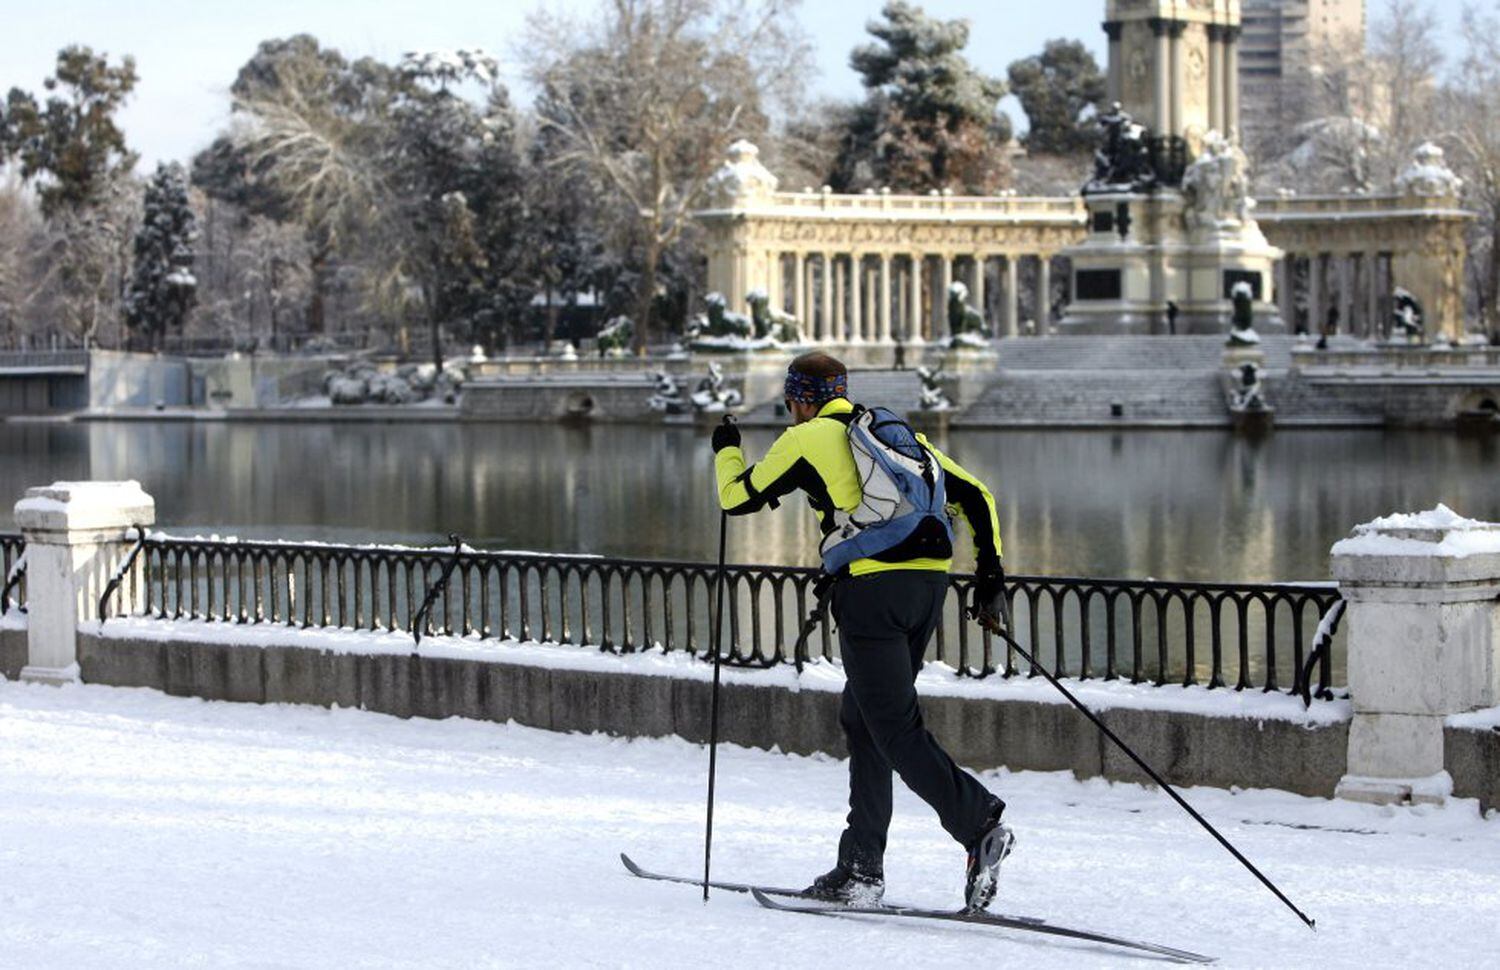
{"type": "Point", "coordinates": [812, 380]}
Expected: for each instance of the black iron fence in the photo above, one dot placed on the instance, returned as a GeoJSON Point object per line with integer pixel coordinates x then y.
{"type": "Point", "coordinates": [1238, 635]}
{"type": "Point", "coordinates": [12, 572]}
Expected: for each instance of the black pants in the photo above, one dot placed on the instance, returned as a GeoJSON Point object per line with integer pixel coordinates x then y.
{"type": "Point", "coordinates": [885, 620]}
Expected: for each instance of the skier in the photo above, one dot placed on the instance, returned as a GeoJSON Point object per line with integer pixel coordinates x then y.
{"type": "Point", "coordinates": [887, 603]}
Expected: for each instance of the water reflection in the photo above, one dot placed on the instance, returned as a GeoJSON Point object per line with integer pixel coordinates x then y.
{"type": "Point", "coordinates": [1170, 504]}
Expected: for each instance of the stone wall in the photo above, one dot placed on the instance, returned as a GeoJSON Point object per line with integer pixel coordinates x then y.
{"type": "Point", "coordinates": [1189, 748]}
{"type": "Point", "coordinates": [12, 650]}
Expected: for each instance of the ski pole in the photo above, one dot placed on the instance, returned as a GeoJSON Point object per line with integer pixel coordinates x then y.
{"type": "Point", "coordinates": [713, 707]}
{"type": "Point", "coordinates": [988, 620]}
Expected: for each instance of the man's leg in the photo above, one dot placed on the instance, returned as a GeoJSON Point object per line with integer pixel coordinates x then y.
{"type": "Point", "coordinates": [862, 846]}
{"type": "Point", "coordinates": [879, 617]}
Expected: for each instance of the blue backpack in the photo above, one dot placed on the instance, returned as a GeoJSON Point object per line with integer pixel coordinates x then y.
{"type": "Point", "coordinates": [901, 487]}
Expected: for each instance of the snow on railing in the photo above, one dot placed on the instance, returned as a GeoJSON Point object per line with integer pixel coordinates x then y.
{"type": "Point", "coordinates": [1243, 635]}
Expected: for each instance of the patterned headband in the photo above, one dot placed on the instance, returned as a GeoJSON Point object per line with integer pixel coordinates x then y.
{"type": "Point", "coordinates": [806, 389]}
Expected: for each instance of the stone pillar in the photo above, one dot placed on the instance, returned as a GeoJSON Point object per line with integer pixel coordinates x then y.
{"type": "Point", "coordinates": [825, 319]}
{"type": "Point", "coordinates": [978, 286]}
{"type": "Point", "coordinates": [1344, 273]}
{"type": "Point", "coordinates": [1315, 315]}
{"type": "Point", "coordinates": [1043, 294]}
{"type": "Point", "coordinates": [885, 297]}
{"type": "Point", "coordinates": [1216, 82]}
{"type": "Point", "coordinates": [1424, 643]}
{"type": "Point", "coordinates": [77, 533]}
{"type": "Point", "coordinates": [916, 329]}
{"type": "Point", "coordinates": [836, 331]}
{"type": "Point", "coordinates": [1113, 88]}
{"type": "Point", "coordinates": [1178, 70]}
{"type": "Point", "coordinates": [947, 280]}
{"type": "Point", "coordinates": [1161, 111]}
{"type": "Point", "coordinates": [1232, 81]}
{"type": "Point", "coordinates": [799, 286]}
{"type": "Point", "coordinates": [856, 293]}
{"type": "Point", "coordinates": [1285, 304]}
{"type": "Point", "coordinates": [1372, 294]}
{"type": "Point", "coordinates": [1012, 294]}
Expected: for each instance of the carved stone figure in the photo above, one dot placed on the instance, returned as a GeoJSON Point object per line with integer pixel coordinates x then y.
{"type": "Point", "coordinates": [668, 397]}
{"type": "Point", "coordinates": [965, 323]}
{"type": "Point", "coordinates": [1247, 394]}
{"type": "Point", "coordinates": [933, 397]}
{"type": "Point", "coordinates": [1122, 163]}
{"type": "Point", "coordinates": [771, 322]}
{"type": "Point", "coordinates": [1428, 174]}
{"type": "Point", "coordinates": [742, 180]}
{"type": "Point", "coordinates": [712, 395]}
{"type": "Point", "coordinates": [1406, 316]}
{"type": "Point", "coordinates": [1217, 186]}
{"type": "Point", "coordinates": [719, 320]}
{"type": "Point", "coordinates": [1242, 319]}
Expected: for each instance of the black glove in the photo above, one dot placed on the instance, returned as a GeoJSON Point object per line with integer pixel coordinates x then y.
{"type": "Point", "coordinates": [990, 607]}
{"type": "Point", "coordinates": [726, 435]}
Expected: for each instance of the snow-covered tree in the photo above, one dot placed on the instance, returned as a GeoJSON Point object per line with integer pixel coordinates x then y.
{"type": "Point", "coordinates": [70, 144]}
{"type": "Point", "coordinates": [1059, 89]}
{"type": "Point", "coordinates": [163, 289]}
{"type": "Point", "coordinates": [930, 119]}
{"type": "Point", "coordinates": [648, 97]}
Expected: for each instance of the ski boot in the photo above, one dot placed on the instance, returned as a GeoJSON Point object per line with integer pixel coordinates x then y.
{"type": "Point", "coordinates": [849, 886]}
{"type": "Point", "coordinates": [989, 850]}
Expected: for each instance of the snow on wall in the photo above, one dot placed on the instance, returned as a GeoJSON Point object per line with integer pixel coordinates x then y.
{"type": "Point", "coordinates": [936, 679]}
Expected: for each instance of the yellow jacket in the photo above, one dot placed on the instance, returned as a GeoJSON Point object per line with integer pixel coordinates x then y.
{"type": "Point", "coordinates": [815, 457]}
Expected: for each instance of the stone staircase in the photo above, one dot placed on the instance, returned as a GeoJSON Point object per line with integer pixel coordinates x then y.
{"type": "Point", "coordinates": [1090, 381]}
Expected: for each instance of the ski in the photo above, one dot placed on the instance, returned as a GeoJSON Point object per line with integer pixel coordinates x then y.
{"type": "Point", "coordinates": [981, 919]}
{"type": "Point", "coordinates": [734, 887]}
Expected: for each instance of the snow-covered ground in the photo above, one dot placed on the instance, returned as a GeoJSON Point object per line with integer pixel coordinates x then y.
{"type": "Point", "coordinates": [138, 830]}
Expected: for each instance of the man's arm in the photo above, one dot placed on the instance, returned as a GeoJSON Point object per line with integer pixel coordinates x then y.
{"type": "Point", "coordinates": [976, 506]}
{"type": "Point", "coordinates": [743, 490]}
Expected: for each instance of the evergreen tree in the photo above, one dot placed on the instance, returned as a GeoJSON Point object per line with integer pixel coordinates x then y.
{"type": "Point", "coordinates": [1058, 89]}
{"type": "Point", "coordinates": [71, 142]}
{"type": "Point", "coordinates": [930, 119]}
{"type": "Point", "coordinates": [162, 289]}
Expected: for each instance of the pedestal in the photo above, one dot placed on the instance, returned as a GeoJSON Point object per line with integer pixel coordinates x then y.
{"type": "Point", "coordinates": [1424, 643]}
{"type": "Point", "coordinates": [76, 535]}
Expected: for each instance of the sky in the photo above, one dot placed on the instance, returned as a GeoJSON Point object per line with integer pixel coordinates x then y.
{"type": "Point", "coordinates": [187, 51]}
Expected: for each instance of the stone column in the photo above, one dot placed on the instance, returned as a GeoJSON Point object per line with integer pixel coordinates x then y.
{"type": "Point", "coordinates": [1179, 76]}
{"type": "Point", "coordinates": [825, 320]}
{"type": "Point", "coordinates": [1424, 643]}
{"type": "Point", "coordinates": [1372, 294]}
{"type": "Point", "coordinates": [1012, 294]}
{"type": "Point", "coordinates": [1043, 294]}
{"type": "Point", "coordinates": [947, 280]}
{"type": "Point", "coordinates": [1113, 87]}
{"type": "Point", "coordinates": [978, 286]}
{"type": "Point", "coordinates": [1216, 83]}
{"type": "Point", "coordinates": [1161, 111]}
{"type": "Point", "coordinates": [856, 293]}
{"type": "Point", "coordinates": [799, 286]}
{"type": "Point", "coordinates": [1345, 276]}
{"type": "Point", "coordinates": [885, 297]}
{"type": "Point", "coordinates": [1315, 313]}
{"type": "Point", "coordinates": [1232, 81]}
{"type": "Point", "coordinates": [916, 329]}
{"type": "Point", "coordinates": [77, 533]}
{"type": "Point", "coordinates": [1285, 304]}
{"type": "Point", "coordinates": [836, 329]}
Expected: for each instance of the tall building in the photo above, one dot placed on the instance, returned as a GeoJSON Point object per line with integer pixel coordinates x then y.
{"type": "Point", "coordinates": [1279, 37]}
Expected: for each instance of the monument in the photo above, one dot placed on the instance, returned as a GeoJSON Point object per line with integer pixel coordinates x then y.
{"type": "Point", "coordinates": [1169, 216]}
